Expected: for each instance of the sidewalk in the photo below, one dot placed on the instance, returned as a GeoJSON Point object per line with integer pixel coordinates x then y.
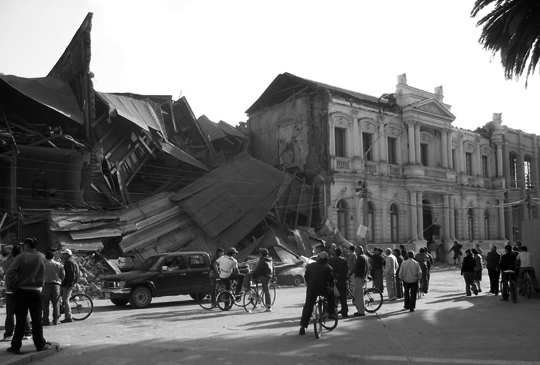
{"type": "Point", "coordinates": [28, 354]}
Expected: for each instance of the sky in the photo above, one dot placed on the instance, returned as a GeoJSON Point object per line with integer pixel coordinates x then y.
{"type": "Point", "coordinates": [222, 55]}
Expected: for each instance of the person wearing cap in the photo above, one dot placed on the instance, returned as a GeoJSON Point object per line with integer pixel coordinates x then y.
{"type": "Point", "coordinates": [71, 277]}
{"type": "Point", "coordinates": [25, 277]}
{"type": "Point", "coordinates": [263, 273]}
{"type": "Point", "coordinates": [319, 278]}
{"type": "Point", "coordinates": [228, 269]}
{"type": "Point", "coordinates": [54, 274]}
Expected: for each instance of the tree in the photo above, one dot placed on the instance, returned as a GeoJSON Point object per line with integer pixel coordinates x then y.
{"type": "Point", "coordinates": [513, 29]}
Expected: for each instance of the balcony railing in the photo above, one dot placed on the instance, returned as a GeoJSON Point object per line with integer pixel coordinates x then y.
{"type": "Point", "coordinates": [394, 170]}
{"type": "Point", "coordinates": [370, 167]}
{"type": "Point", "coordinates": [343, 164]}
{"type": "Point", "coordinates": [487, 183]}
{"type": "Point", "coordinates": [435, 173]}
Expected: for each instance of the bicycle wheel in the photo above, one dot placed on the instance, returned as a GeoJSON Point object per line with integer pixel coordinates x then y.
{"type": "Point", "coordinates": [513, 291]}
{"type": "Point", "coordinates": [317, 316]}
{"type": "Point", "coordinates": [373, 300]}
{"type": "Point", "coordinates": [81, 306]}
{"type": "Point", "coordinates": [204, 296]}
{"type": "Point", "coordinates": [327, 322]}
{"type": "Point", "coordinates": [420, 292]}
{"type": "Point", "coordinates": [251, 299]}
{"type": "Point", "coordinates": [527, 286]}
{"type": "Point", "coordinates": [272, 290]}
{"type": "Point", "coordinates": [225, 300]}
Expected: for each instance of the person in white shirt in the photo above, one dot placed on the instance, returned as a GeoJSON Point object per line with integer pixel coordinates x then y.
{"type": "Point", "coordinates": [525, 260]}
{"type": "Point", "coordinates": [410, 273]}
{"type": "Point", "coordinates": [228, 269]}
{"type": "Point", "coordinates": [390, 268]}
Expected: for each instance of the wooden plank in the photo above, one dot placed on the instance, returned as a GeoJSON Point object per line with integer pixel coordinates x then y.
{"type": "Point", "coordinates": [111, 151]}
{"type": "Point", "coordinates": [288, 200]}
{"type": "Point", "coordinates": [143, 141]}
{"type": "Point", "coordinates": [100, 119]}
{"type": "Point", "coordinates": [136, 171]}
{"type": "Point", "coordinates": [121, 186]}
{"type": "Point", "coordinates": [128, 153]}
{"type": "Point", "coordinates": [111, 130]}
{"type": "Point", "coordinates": [311, 205]}
{"type": "Point", "coordinates": [299, 202]}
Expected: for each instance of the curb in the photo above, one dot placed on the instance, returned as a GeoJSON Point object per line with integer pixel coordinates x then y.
{"type": "Point", "coordinates": [31, 357]}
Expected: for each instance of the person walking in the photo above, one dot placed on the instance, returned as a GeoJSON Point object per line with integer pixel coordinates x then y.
{"type": "Point", "coordinates": [399, 284]}
{"type": "Point", "coordinates": [54, 274]}
{"type": "Point", "coordinates": [467, 271]}
{"type": "Point", "coordinates": [72, 272]}
{"type": "Point", "coordinates": [361, 273]}
{"type": "Point", "coordinates": [340, 267]}
{"type": "Point", "coordinates": [410, 273]}
{"type": "Point", "coordinates": [319, 281]}
{"type": "Point", "coordinates": [25, 277]}
{"type": "Point", "coordinates": [492, 264]}
{"type": "Point", "coordinates": [390, 268]}
{"type": "Point", "coordinates": [423, 260]}
{"type": "Point", "coordinates": [477, 269]}
{"type": "Point", "coordinates": [456, 249]}
{"type": "Point", "coordinates": [9, 325]}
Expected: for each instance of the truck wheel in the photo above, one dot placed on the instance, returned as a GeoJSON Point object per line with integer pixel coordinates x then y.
{"type": "Point", "coordinates": [140, 297]}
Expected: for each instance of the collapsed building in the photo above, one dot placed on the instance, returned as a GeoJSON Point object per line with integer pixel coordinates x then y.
{"type": "Point", "coordinates": [132, 175]}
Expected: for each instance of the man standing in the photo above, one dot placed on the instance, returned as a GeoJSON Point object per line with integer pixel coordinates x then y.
{"type": "Point", "coordinates": [54, 274]}
{"type": "Point", "coordinates": [390, 268]}
{"type": "Point", "coordinates": [319, 281]}
{"type": "Point", "coordinates": [341, 269]}
{"type": "Point", "coordinates": [467, 271]}
{"type": "Point", "coordinates": [377, 266]}
{"type": "Point", "coordinates": [71, 269]}
{"type": "Point", "coordinates": [508, 263]}
{"type": "Point", "coordinates": [422, 260]}
{"type": "Point", "coordinates": [360, 272]}
{"type": "Point", "coordinates": [525, 265]}
{"type": "Point", "coordinates": [228, 269]}
{"type": "Point", "coordinates": [352, 259]}
{"type": "Point", "coordinates": [410, 273]}
{"type": "Point", "coordinates": [25, 278]}
{"type": "Point", "coordinates": [492, 264]}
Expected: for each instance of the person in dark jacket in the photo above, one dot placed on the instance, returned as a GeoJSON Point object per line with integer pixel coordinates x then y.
{"type": "Point", "coordinates": [467, 271]}
{"type": "Point", "coordinates": [377, 267]}
{"type": "Point", "coordinates": [25, 277]}
{"type": "Point", "coordinates": [341, 268]}
{"type": "Point", "coordinates": [399, 284]}
{"type": "Point", "coordinates": [71, 277]}
{"type": "Point", "coordinates": [508, 263]}
{"type": "Point", "coordinates": [361, 273]}
{"type": "Point", "coordinates": [263, 273]}
{"type": "Point", "coordinates": [492, 264]}
{"type": "Point", "coordinates": [319, 278]}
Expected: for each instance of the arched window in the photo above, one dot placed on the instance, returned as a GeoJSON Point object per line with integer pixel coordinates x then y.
{"type": "Point", "coordinates": [456, 222]}
{"type": "Point", "coordinates": [394, 223]}
{"type": "Point", "coordinates": [470, 220]}
{"type": "Point", "coordinates": [342, 218]}
{"type": "Point", "coordinates": [371, 222]}
{"type": "Point", "coordinates": [486, 225]}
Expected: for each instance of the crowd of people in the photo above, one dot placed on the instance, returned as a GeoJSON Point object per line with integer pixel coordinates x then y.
{"type": "Point", "coordinates": [34, 281]}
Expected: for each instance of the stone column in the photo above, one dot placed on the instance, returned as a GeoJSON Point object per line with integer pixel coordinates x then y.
{"type": "Point", "coordinates": [361, 140]}
{"type": "Point", "coordinates": [355, 134]}
{"type": "Point", "coordinates": [479, 172]}
{"type": "Point", "coordinates": [417, 143]}
{"type": "Point", "coordinates": [446, 217]}
{"type": "Point", "coordinates": [464, 219]}
{"type": "Point", "coordinates": [385, 221]}
{"type": "Point", "coordinates": [412, 154]}
{"type": "Point", "coordinates": [382, 144]}
{"type": "Point", "coordinates": [332, 141]}
{"type": "Point", "coordinates": [452, 219]}
{"type": "Point", "coordinates": [502, 234]}
{"type": "Point", "coordinates": [534, 165]}
{"type": "Point", "coordinates": [420, 216]}
{"type": "Point", "coordinates": [444, 146]}
{"type": "Point", "coordinates": [480, 213]}
{"type": "Point", "coordinates": [414, 221]}
{"type": "Point", "coordinates": [450, 161]}
{"type": "Point", "coordinates": [498, 145]}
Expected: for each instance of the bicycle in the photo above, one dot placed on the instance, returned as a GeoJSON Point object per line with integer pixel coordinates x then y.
{"type": "Point", "coordinates": [373, 298]}
{"type": "Point", "coordinates": [511, 289]}
{"type": "Point", "coordinates": [81, 306]}
{"type": "Point", "coordinates": [208, 296]}
{"type": "Point", "coordinates": [321, 317]}
{"type": "Point", "coordinates": [526, 286]}
{"type": "Point", "coordinates": [253, 297]}
{"type": "Point", "coordinates": [420, 293]}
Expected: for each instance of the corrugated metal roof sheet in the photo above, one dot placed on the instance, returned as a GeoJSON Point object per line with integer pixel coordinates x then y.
{"type": "Point", "coordinates": [181, 155]}
{"type": "Point", "coordinates": [231, 200]}
{"type": "Point", "coordinates": [210, 128]}
{"type": "Point", "coordinates": [229, 129]}
{"type": "Point", "coordinates": [140, 112]}
{"type": "Point", "coordinates": [49, 91]}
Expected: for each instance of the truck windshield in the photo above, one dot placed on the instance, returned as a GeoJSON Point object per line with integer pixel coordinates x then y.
{"type": "Point", "coordinates": [149, 263]}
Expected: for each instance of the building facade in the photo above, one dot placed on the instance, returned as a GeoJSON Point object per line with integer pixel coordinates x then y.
{"type": "Point", "coordinates": [396, 164]}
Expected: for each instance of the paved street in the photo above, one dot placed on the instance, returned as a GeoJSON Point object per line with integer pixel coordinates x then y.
{"type": "Point", "coordinates": [447, 328]}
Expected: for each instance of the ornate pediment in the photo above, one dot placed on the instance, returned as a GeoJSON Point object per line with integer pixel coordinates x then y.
{"type": "Point", "coordinates": [433, 109]}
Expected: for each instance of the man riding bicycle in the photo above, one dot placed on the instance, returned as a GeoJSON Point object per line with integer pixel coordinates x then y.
{"type": "Point", "coordinates": [319, 278]}
{"type": "Point", "coordinates": [228, 270]}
